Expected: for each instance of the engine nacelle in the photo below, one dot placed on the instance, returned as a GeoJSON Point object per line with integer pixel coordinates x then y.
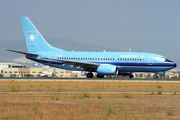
{"type": "Point", "coordinates": [107, 70]}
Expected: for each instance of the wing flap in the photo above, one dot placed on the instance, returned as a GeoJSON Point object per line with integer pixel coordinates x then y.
{"type": "Point", "coordinates": [82, 64]}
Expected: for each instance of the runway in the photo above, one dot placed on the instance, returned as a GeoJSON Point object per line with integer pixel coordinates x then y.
{"type": "Point", "coordinates": [92, 79]}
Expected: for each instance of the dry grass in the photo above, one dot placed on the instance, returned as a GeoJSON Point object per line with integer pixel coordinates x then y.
{"type": "Point", "coordinates": [54, 100]}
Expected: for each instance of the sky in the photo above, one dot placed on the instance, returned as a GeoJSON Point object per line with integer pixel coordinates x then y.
{"type": "Point", "coordinates": [142, 25]}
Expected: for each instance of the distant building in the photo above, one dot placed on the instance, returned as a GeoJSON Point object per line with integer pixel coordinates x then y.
{"type": "Point", "coordinates": [21, 72]}
{"type": "Point", "coordinates": [10, 65]}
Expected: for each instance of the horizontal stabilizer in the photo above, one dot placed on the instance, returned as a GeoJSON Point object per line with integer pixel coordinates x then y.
{"type": "Point", "coordinates": [26, 53]}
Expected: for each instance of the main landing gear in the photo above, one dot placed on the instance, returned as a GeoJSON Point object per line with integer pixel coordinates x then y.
{"type": "Point", "coordinates": [89, 75]}
{"type": "Point", "coordinates": [131, 76]}
{"type": "Point", "coordinates": [155, 76]}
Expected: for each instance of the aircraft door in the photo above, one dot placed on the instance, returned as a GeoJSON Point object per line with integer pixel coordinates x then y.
{"type": "Point", "coordinates": [150, 60]}
{"type": "Point", "coordinates": [49, 56]}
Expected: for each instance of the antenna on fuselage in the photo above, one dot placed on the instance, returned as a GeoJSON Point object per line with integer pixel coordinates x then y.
{"type": "Point", "coordinates": [104, 50]}
{"type": "Point", "coordinates": [129, 49]}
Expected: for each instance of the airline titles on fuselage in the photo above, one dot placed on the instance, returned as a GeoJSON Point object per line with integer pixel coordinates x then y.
{"type": "Point", "coordinates": [129, 56]}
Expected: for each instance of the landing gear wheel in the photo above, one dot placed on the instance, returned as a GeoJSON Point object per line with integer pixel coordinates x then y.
{"type": "Point", "coordinates": [131, 76]}
{"type": "Point", "coordinates": [155, 76]}
{"type": "Point", "coordinates": [100, 76]}
{"type": "Point", "coordinates": [89, 75]}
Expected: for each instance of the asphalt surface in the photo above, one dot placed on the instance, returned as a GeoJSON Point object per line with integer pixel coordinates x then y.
{"type": "Point", "coordinates": [90, 79]}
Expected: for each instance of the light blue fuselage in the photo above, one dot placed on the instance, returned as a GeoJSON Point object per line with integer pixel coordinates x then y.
{"type": "Point", "coordinates": [126, 61]}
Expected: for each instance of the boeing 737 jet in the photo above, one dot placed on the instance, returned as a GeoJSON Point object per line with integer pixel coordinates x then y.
{"type": "Point", "coordinates": [103, 63]}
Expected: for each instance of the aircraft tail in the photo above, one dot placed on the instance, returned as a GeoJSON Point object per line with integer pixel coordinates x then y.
{"type": "Point", "coordinates": [34, 40]}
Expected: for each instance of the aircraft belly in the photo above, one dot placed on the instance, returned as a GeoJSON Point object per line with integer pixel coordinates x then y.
{"type": "Point", "coordinates": [142, 69]}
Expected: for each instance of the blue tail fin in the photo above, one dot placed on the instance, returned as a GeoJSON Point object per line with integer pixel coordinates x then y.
{"type": "Point", "coordinates": [34, 40]}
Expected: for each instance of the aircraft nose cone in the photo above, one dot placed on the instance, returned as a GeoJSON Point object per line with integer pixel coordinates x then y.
{"type": "Point", "coordinates": [175, 64]}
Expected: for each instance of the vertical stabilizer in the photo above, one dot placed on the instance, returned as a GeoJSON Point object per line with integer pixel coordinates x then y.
{"type": "Point", "coordinates": [34, 40]}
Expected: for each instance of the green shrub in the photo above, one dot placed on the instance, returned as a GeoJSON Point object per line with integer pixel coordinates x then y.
{"type": "Point", "coordinates": [20, 116]}
{"type": "Point", "coordinates": [31, 86]}
{"type": "Point", "coordinates": [73, 96]}
{"type": "Point", "coordinates": [85, 109]}
{"type": "Point", "coordinates": [55, 97]}
{"type": "Point", "coordinates": [83, 95]}
{"type": "Point", "coordinates": [127, 95]}
{"type": "Point", "coordinates": [60, 89]}
{"type": "Point", "coordinates": [1, 75]}
{"type": "Point", "coordinates": [169, 111]}
{"type": "Point", "coordinates": [110, 109]}
{"type": "Point", "coordinates": [40, 89]}
{"type": "Point", "coordinates": [158, 86]}
{"type": "Point", "coordinates": [159, 91]}
{"type": "Point", "coordinates": [36, 105]}
{"type": "Point", "coordinates": [14, 88]}
{"type": "Point", "coordinates": [99, 97]}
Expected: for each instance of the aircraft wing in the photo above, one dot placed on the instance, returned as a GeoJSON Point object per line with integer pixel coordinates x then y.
{"type": "Point", "coordinates": [81, 64]}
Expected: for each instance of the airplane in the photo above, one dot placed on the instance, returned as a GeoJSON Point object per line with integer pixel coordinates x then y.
{"type": "Point", "coordinates": [48, 74]}
{"type": "Point", "coordinates": [103, 63]}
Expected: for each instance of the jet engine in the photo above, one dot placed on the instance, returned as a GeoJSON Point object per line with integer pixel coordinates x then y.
{"type": "Point", "coordinates": [107, 70]}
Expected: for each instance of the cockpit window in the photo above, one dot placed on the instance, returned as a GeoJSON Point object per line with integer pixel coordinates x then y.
{"type": "Point", "coordinates": [166, 60]}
